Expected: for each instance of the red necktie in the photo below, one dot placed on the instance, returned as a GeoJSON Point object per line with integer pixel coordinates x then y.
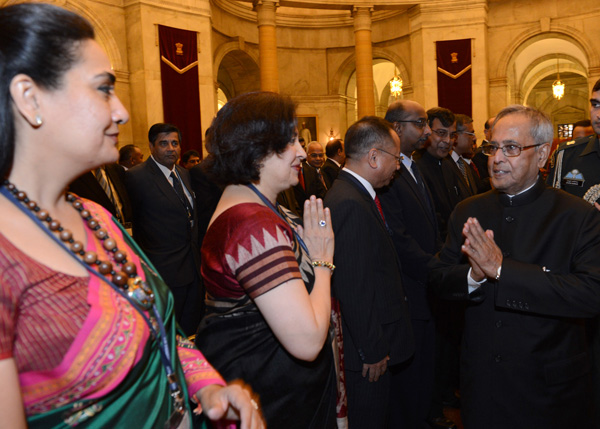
{"type": "Point", "coordinates": [378, 204]}
{"type": "Point", "coordinates": [472, 164]}
{"type": "Point", "coordinates": [301, 178]}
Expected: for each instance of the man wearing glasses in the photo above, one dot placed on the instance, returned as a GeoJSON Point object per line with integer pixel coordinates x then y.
{"type": "Point", "coordinates": [525, 257]}
{"type": "Point", "coordinates": [410, 214]}
{"type": "Point", "coordinates": [462, 154]}
{"type": "Point", "coordinates": [443, 185]}
{"type": "Point", "coordinates": [447, 190]}
{"type": "Point", "coordinates": [367, 282]}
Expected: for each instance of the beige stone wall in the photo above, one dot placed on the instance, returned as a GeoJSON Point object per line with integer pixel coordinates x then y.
{"type": "Point", "coordinates": [316, 53]}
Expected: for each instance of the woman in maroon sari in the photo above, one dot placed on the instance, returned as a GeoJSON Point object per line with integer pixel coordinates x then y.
{"type": "Point", "coordinates": [267, 277]}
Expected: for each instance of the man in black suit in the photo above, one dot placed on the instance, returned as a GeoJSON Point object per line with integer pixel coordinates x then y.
{"type": "Point", "coordinates": [164, 222]}
{"type": "Point", "coordinates": [525, 257]}
{"type": "Point", "coordinates": [479, 159]}
{"type": "Point", "coordinates": [461, 155]}
{"type": "Point", "coordinates": [434, 165]}
{"type": "Point", "coordinates": [129, 156]}
{"type": "Point", "coordinates": [106, 186]}
{"type": "Point", "coordinates": [309, 184]}
{"type": "Point", "coordinates": [408, 206]}
{"type": "Point", "coordinates": [466, 138]}
{"type": "Point", "coordinates": [334, 150]}
{"type": "Point", "coordinates": [368, 281]}
{"type": "Point", "coordinates": [447, 190]}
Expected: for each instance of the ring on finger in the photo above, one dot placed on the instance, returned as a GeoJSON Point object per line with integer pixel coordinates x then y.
{"type": "Point", "coordinates": [322, 223]}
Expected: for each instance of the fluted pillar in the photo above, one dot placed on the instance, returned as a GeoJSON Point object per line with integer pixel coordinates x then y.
{"type": "Point", "coordinates": [267, 45]}
{"type": "Point", "coordinates": [364, 61]}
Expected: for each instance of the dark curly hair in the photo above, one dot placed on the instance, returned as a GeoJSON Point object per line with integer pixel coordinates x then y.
{"type": "Point", "coordinates": [41, 41]}
{"type": "Point", "coordinates": [249, 128]}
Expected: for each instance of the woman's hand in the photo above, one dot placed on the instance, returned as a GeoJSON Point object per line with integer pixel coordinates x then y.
{"type": "Point", "coordinates": [317, 236]}
{"type": "Point", "coordinates": [232, 402]}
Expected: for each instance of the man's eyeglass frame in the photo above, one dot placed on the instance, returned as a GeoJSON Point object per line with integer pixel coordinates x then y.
{"type": "Point", "coordinates": [419, 123]}
{"type": "Point", "coordinates": [491, 149]}
{"type": "Point", "coordinates": [398, 158]}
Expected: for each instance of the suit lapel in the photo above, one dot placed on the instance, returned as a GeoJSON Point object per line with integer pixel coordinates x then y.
{"type": "Point", "coordinates": [458, 173]}
{"type": "Point", "coordinates": [187, 182]}
{"type": "Point", "coordinates": [347, 177]}
{"type": "Point", "coordinates": [472, 179]}
{"type": "Point", "coordinates": [407, 177]}
{"type": "Point", "coordinates": [163, 185]}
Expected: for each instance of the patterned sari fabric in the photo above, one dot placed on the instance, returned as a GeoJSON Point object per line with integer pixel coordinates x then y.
{"type": "Point", "coordinates": [247, 251]}
{"type": "Point", "coordinates": [84, 354]}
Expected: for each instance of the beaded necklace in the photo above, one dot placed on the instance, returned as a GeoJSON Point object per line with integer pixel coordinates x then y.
{"type": "Point", "coordinates": [125, 276]}
{"type": "Point", "coordinates": [123, 279]}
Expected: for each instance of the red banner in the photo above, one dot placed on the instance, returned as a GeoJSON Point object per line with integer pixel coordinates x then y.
{"type": "Point", "coordinates": [180, 88]}
{"type": "Point", "coordinates": [454, 75]}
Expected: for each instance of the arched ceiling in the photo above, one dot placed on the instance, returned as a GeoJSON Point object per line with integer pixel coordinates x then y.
{"type": "Point", "coordinates": [318, 13]}
{"type": "Point", "coordinates": [550, 49]}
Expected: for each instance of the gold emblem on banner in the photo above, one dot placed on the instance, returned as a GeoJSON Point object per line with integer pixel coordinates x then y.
{"type": "Point", "coordinates": [454, 56]}
{"type": "Point", "coordinates": [178, 48]}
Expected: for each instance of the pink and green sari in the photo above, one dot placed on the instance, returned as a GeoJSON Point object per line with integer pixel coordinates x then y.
{"type": "Point", "coordinates": [111, 374]}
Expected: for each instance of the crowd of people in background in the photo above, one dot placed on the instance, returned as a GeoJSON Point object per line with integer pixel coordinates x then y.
{"type": "Point", "coordinates": [370, 282]}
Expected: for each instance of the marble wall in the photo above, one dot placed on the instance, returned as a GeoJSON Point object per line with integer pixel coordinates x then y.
{"type": "Point", "coordinates": [316, 51]}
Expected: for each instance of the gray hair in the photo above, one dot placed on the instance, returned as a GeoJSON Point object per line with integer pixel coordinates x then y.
{"type": "Point", "coordinates": [462, 121]}
{"type": "Point", "coordinates": [541, 128]}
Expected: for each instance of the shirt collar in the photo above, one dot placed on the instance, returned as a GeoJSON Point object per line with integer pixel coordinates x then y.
{"type": "Point", "coordinates": [363, 182]}
{"type": "Point", "coordinates": [162, 168]}
{"type": "Point", "coordinates": [407, 161]}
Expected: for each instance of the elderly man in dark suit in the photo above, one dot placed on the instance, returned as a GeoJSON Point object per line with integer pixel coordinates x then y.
{"type": "Point", "coordinates": [461, 155]}
{"type": "Point", "coordinates": [310, 183]}
{"type": "Point", "coordinates": [479, 158]}
{"type": "Point", "coordinates": [408, 206]}
{"type": "Point", "coordinates": [367, 281]}
{"type": "Point", "coordinates": [525, 256]}
{"type": "Point", "coordinates": [164, 222]}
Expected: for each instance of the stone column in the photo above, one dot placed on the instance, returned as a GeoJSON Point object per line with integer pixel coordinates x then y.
{"type": "Point", "coordinates": [364, 61]}
{"type": "Point", "coordinates": [267, 45]}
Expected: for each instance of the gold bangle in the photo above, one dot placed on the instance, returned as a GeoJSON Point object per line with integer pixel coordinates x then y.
{"type": "Point", "coordinates": [323, 264]}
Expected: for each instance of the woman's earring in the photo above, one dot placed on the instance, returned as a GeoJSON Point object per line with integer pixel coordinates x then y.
{"type": "Point", "coordinates": [38, 120]}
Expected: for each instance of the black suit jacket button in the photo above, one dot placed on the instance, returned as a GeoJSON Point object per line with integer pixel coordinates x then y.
{"type": "Point", "coordinates": [509, 219]}
{"type": "Point", "coordinates": [498, 323]}
{"type": "Point", "coordinates": [498, 358]}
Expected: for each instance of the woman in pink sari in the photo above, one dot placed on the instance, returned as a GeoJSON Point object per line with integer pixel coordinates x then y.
{"type": "Point", "coordinates": [87, 333]}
